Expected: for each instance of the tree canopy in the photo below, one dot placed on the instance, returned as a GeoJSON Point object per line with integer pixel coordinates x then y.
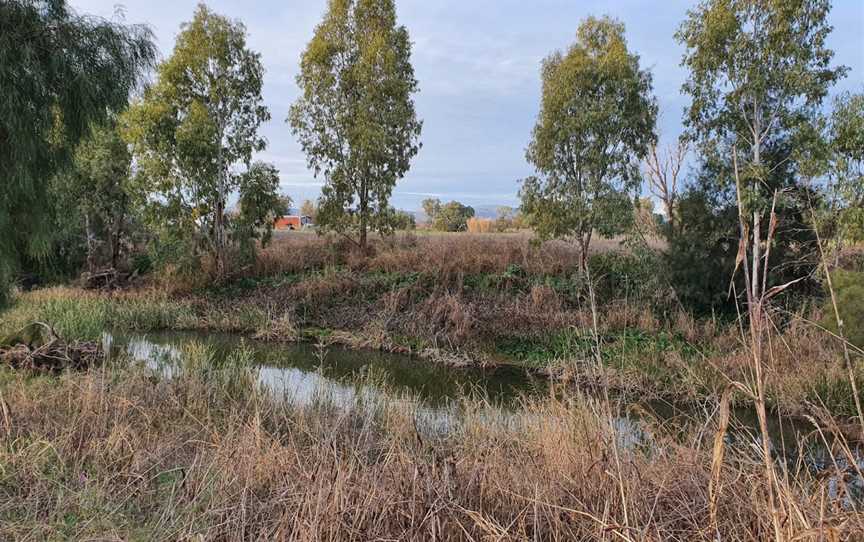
{"type": "Point", "coordinates": [355, 118]}
{"type": "Point", "coordinates": [194, 133]}
{"type": "Point", "coordinates": [758, 70]}
{"type": "Point", "coordinates": [758, 73]}
{"type": "Point", "coordinates": [596, 121]}
{"type": "Point", "coordinates": [99, 186]}
{"type": "Point", "coordinates": [452, 216]}
{"type": "Point", "coordinates": [846, 140]}
{"type": "Point", "coordinates": [60, 72]}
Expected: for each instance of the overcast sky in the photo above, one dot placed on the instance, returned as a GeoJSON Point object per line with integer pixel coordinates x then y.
{"type": "Point", "coordinates": [477, 62]}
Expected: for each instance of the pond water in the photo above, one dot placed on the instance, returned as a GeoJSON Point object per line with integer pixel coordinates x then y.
{"type": "Point", "coordinates": [301, 371]}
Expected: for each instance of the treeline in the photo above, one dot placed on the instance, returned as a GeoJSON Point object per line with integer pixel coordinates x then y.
{"type": "Point", "coordinates": [167, 179]}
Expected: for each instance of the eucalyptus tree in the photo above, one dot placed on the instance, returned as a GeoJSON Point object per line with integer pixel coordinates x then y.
{"type": "Point", "coordinates": [355, 117]}
{"type": "Point", "coordinates": [452, 216]}
{"type": "Point", "coordinates": [596, 121]}
{"type": "Point", "coordinates": [98, 187]}
{"type": "Point", "coordinates": [846, 140]}
{"type": "Point", "coordinates": [195, 131]}
{"type": "Point", "coordinates": [759, 70]}
{"type": "Point", "coordinates": [59, 73]}
{"type": "Point", "coordinates": [258, 205]}
{"type": "Point", "coordinates": [431, 207]}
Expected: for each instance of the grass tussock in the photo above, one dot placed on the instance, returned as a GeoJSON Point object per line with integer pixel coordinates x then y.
{"type": "Point", "coordinates": [122, 453]}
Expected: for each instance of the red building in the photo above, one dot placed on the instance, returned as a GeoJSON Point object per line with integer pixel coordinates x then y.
{"type": "Point", "coordinates": [291, 222]}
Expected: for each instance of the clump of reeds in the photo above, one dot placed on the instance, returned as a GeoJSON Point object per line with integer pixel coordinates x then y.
{"type": "Point", "coordinates": [210, 454]}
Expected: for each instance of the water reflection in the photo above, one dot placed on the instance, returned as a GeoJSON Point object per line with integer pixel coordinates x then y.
{"type": "Point", "coordinates": [304, 374]}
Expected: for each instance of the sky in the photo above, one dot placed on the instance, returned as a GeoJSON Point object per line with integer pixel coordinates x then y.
{"type": "Point", "coordinates": [477, 63]}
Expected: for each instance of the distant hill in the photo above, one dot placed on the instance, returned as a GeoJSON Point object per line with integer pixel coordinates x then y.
{"type": "Point", "coordinates": [480, 211]}
{"type": "Point", "coordinates": [488, 211]}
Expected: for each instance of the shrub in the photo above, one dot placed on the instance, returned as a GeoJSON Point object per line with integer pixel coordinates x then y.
{"type": "Point", "coordinates": [849, 288]}
{"type": "Point", "coordinates": [636, 276]}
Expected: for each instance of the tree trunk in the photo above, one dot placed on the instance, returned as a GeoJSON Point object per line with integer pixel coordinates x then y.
{"type": "Point", "coordinates": [219, 220]}
{"type": "Point", "coordinates": [364, 215]}
{"type": "Point", "coordinates": [584, 244]}
{"type": "Point", "coordinates": [115, 241]}
{"type": "Point", "coordinates": [219, 235]}
{"type": "Point", "coordinates": [91, 243]}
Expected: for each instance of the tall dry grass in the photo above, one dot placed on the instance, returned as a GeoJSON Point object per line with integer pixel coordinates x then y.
{"type": "Point", "coordinates": [481, 225]}
{"type": "Point", "coordinates": [437, 253]}
{"type": "Point", "coordinates": [119, 453]}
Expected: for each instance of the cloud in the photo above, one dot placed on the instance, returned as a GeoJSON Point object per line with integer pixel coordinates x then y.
{"type": "Point", "coordinates": [477, 63]}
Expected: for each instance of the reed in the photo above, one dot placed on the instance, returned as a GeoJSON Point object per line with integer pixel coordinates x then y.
{"type": "Point", "coordinates": [123, 453]}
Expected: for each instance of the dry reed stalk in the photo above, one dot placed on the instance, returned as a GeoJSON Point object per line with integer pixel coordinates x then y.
{"type": "Point", "coordinates": [607, 407]}
{"type": "Point", "coordinates": [714, 486]}
{"type": "Point", "coordinates": [756, 298]}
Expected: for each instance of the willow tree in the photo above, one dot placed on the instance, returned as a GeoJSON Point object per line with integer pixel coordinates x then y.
{"type": "Point", "coordinates": [194, 133]}
{"type": "Point", "coordinates": [355, 117]}
{"type": "Point", "coordinates": [60, 72]}
{"type": "Point", "coordinates": [596, 122]}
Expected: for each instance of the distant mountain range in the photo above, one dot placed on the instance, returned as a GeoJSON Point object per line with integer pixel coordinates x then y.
{"type": "Point", "coordinates": [480, 211]}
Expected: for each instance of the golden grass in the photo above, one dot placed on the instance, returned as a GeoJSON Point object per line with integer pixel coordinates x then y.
{"type": "Point", "coordinates": [444, 254]}
{"type": "Point", "coordinates": [119, 454]}
{"type": "Point", "coordinates": [481, 225]}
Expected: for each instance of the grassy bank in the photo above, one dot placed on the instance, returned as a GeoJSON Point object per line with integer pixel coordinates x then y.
{"type": "Point", "coordinates": [119, 452]}
{"type": "Point", "coordinates": [472, 300]}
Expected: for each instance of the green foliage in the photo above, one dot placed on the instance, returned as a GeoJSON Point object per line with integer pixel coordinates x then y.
{"type": "Point", "coordinates": [141, 263]}
{"type": "Point", "coordinates": [88, 317]}
{"type": "Point", "coordinates": [431, 206]}
{"type": "Point", "coordinates": [759, 70]}
{"type": "Point", "coordinates": [59, 73]}
{"type": "Point", "coordinates": [355, 118]}
{"type": "Point", "coordinates": [847, 168]}
{"type": "Point", "coordinates": [637, 276]}
{"type": "Point", "coordinates": [259, 203]}
{"type": "Point", "coordinates": [452, 217]}
{"type": "Point", "coordinates": [194, 129]}
{"type": "Point", "coordinates": [98, 186]}
{"type": "Point", "coordinates": [755, 63]}
{"type": "Point", "coordinates": [404, 221]}
{"type": "Point", "coordinates": [849, 290]}
{"type": "Point", "coordinates": [702, 250]}
{"type": "Point", "coordinates": [596, 120]}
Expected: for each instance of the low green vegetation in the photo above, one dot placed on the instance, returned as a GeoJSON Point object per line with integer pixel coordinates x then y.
{"type": "Point", "coordinates": [849, 292]}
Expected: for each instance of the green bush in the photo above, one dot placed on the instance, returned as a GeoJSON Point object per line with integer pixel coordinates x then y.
{"type": "Point", "coordinates": [141, 263]}
{"type": "Point", "coordinates": [849, 289]}
{"type": "Point", "coordinates": [637, 275]}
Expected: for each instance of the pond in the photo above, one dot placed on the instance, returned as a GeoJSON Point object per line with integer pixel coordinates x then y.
{"type": "Point", "coordinates": [301, 371]}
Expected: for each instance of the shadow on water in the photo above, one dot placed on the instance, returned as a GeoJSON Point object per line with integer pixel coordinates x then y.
{"type": "Point", "coordinates": [301, 371]}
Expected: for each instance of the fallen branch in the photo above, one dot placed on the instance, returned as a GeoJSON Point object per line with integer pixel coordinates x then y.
{"type": "Point", "coordinates": [37, 347]}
